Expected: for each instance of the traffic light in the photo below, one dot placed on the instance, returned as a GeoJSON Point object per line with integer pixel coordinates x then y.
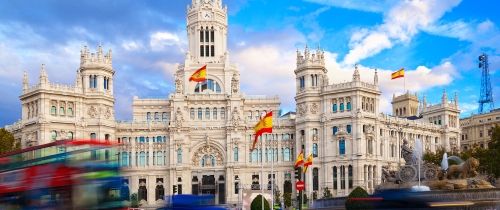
{"type": "Point", "coordinates": [175, 189]}
{"type": "Point", "coordinates": [298, 173]}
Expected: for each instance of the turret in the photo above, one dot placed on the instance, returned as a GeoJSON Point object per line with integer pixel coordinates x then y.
{"type": "Point", "coordinates": [310, 72]}
{"type": "Point", "coordinates": [375, 78]}
{"type": "Point", "coordinates": [96, 71]}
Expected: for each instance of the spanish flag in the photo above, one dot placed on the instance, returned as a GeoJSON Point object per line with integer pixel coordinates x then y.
{"type": "Point", "coordinates": [398, 73]}
{"type": "Point", "coordinates": [265, 125]}
{"type": "Point", "coordinates": [300, 159]}
{"type": "Point", "coordinates": [199, 75]}
{"type": "Point", "coordinates": [308, 162]}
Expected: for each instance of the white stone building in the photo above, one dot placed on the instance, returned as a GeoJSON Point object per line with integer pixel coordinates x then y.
{"type": "Point", "coordinates": [199, 137]}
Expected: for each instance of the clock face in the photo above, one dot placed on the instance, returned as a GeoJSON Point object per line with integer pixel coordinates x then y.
{"type": "Point", "coordinates": [207, 15]}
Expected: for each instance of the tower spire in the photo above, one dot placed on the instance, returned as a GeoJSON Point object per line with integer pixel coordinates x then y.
{"type": "Point", "coordinates": [43, 75]}
{"type": "Point", "coordinates": [355, 76]}
{"type": "Point", "coordinates": [25, 81]}
{"type": "Point", "coordinates": [375, 78]}
{"type": "Point", "coordinates": [444, 98]}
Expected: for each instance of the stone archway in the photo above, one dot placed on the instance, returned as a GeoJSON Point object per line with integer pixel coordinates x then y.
{"type": "Point", "coordinates": [207, 156]}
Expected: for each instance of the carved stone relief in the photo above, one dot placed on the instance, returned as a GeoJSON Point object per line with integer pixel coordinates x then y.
{"type": "Point", "coordinates": [302, 109]}
{"type": "Point", "coordinates": [235, 84]}
{"type": "Point", "coordinates": [314, 108]}
{"type": "Point", "coordinates": [207, 150]}
{"type": "Point", "coordinates": [92, 112]}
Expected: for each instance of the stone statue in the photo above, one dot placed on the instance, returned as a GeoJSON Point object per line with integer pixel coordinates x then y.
{"type": "Point", "coordinates": [466, 169]}
{"type": "Point", "coordinates": [234, 84]}
{"type": "Point", "coordinates": [387, 175]}
{"type": "Point", "coordinates": [407, 153]}
{"type": "Point", "coordinates": [178, 118]}
{"type": "Point", "coordinates": [235, 118]}
{"type": "Point", "coordinates": [178, 84]}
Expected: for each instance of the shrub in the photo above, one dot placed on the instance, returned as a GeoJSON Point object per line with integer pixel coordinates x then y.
{"type": "Point", "coordinates": [257, 203]}
{"type": "Point", "coordinates": [358, 192]}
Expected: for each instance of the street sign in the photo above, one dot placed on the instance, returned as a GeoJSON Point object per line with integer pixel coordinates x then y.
{"type": "Point", "coordinates": [300, 185]}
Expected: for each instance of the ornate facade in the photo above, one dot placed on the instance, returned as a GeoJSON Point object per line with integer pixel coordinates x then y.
{"type": "Point", "coordinates": [477, 129]}
{"type": "Point", "coordinates": [198, 138]}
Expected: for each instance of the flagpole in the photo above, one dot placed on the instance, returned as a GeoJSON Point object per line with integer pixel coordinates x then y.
{"type": "Point", "coordinates": [404, 84]}
{"type": "Point", "coordinates": [262, 172]}
{"type": "Point", "coordinates": [272, 179]}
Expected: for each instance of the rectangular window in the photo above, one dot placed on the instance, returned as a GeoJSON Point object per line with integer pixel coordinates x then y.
{"type": "Point", "coordinates": [201, 36]}
{"type": "Point", "coordinates": [212, 48]}
{"type": "Point", "coordinates": [348, 128]}
{"type": "Point", "coordinates": [334, 109]}
{"type": "Point", "coordinates": [215, 113]}
{"type": "Point", "coordinates": [222, 113]}
{"type": "Point", "coordinates": [212, 36]}
{"type": "Point", "coordinates": [200, 113]}
{"type": "Point", "coordinates": [206, 36]}
{"type": "Point", "coordinates": [202, 51]}
{"type": "Point", "coordinates": [207, 50]}
{"type": "Point", "coordinates": [207, 113]}
{"type": "Point", "coordinates": [191, 113]}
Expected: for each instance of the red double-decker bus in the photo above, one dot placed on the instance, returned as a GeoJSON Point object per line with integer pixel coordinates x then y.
{"type": "Point", "coordinates": [66, 174]}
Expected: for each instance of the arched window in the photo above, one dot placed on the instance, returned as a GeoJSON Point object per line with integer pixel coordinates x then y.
{"type": "Point", "coordinates": [148, 116]}
{"type": "Point", "coordinates": [259, 155]}
{"type": "Point", "coordinates": [334, 108]}
{"type": "Point", "coordinates": [207, 113]}
{"type": "Point", "coordinates": [348, 106]}
{"type": "Point", "coordinates": [335, 130]}
{"type": "Point", "coordinates": [53, 110]}
{"type": "Point", "coordinates": [286, 156]}
{"type": "Point", "coordinates": [214, 114]}
{"type": "Point", "coordinates": [159, 158]}
{"type": "Point", "coordinates": [191, 113]}
{"type": "Point", "coordinates": [93, 136]}
{"type": "Point", "coordinates": [349, 129]}
{"type": "Point", "coordinates": [222, 113]}
{"type": "Point", "coordinates": [70, 111]}
{"type": "Point", "coordinates": [200, 113]}
{"type": "Point", "coordinates": [61, 111]}
{"type": "Point", "coordinates": [341, 107]}
{"type": "Point", "coordinates": [254, 156]}
{"type": "Point", "coordinates": [315, 179]}
{"type": "Point", "coordinates": [342, 146]}
{"type": "Point", "coordinates": [69, 135]}
{"type": "Point", "coordinates": [53, 135]}
{"type": "Point", "coordinates": [157, 116]}
{"type": "Point", "coordinates": [315, 150]}
{"type": "Point", "coordinates": [334, 177]}
{"type": "Point", "coordinates": [235, 154]}
{"type": "Point", "coordinates": [179, 156]}
{"type": "Point", "coordinates": [208, 85]}
{"type": "Point", "coordinates": [370, 146]}
{"type": "Point", "coordinates": [142, 159]}
{"type": "Point", "coordinates": [276, 155]}
{"type": "Point", "coordinates": [164, 116]}
{"type": "Point", "coordinates": [124, 160]}
{"type": "Point", "coordinates": [342, 177]}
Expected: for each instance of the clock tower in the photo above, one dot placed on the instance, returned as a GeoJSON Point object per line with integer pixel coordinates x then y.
{"type": "Point", "coordinates": [207, 31]}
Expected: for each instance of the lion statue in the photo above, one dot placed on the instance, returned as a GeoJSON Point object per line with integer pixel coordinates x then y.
{"type": "Point", "coordinates": [464, 170]}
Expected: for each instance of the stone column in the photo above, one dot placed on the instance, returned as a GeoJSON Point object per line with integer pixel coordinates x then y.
{"type": "Point", "coordinates": [151, 189]}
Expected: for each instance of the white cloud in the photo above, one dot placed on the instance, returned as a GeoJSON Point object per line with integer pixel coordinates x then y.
{"type": "Point", "coordinates": [132, 45]}
{"type": "Point", "coordinates": [162, 40]}
{"type": "Point", "coordinates": [372, 6]}
{"type": "Point", "coordinates": [401, 23]}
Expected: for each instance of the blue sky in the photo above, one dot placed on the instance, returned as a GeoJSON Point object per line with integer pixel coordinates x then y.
{"type": "Point", "coordinates": [436, 41]}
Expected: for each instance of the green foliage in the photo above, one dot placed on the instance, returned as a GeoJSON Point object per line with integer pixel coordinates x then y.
{"type": "Point", "coordinates": [434, 157]}
{"type": "Point", "coordinates": [287, 197]}
{"type": "Point", "coordinates": [277, 198]}
{"type": "Point", "coordinates": [257, 203]}
{"type": "Point", "coordinates": [134, 203]}
{"type": "Point", "coordinates": [358, 192]}
{"type": "Point", "coordinates": [488, 158]}
{"type": "Point", "coordinates": [7, 141]}
{"type": "Point", "coordinates": [327, 193]}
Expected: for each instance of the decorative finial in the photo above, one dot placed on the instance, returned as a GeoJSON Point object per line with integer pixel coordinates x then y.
{"type": "Point", "coordinates": [43, 74]}
{"type": "Point", "coordinates": [355, 76]}
{"type": "Point", "coordinates": [25, 81]}
{"type": "Point", "coordinates": [375, 78]}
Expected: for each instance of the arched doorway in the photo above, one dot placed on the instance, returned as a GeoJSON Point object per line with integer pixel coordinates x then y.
{"type": "Point", "coordinates": [208, 174]}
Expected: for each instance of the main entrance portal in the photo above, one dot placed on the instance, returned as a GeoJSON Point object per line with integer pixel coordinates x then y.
{"type": "Point", "coordinates": [209, 185]}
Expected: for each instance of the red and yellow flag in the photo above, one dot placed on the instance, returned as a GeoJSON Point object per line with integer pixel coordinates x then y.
{"type": "Point", "coordinates": [265, 125]}
{"type": "Point", "coordinates": [199, 75]}
{"type": "Point", "coordinates": [399, 73]}
{"type": "Point", "coordinates": [300, 159]}
{"type": "Point", "coordinates": [308, 162]}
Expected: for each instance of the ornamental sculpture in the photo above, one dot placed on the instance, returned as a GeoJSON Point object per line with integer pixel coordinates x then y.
{"type": "Point", "coordinates": [207, 151]}
{"type": "Point", "coordinates": [178, 118]}
{"type": "Point", "coordinates": [235, 84]}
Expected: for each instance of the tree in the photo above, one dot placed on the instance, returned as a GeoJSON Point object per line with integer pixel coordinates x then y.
{"type": "Point", "coordinates": [434, 157]}
{"type": "Point", "coordinates": [358, 192]}
{"type": "Point", "coordinates": [257, 203]}
{"type": "Point", "coordinates": [7, 141]}
{"type": "Point", "coordinates": [327, 193]}
{"type": "Point", "coordinates": [287, 197]}
{"type": "Point", "coordinates": [134, 200]}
